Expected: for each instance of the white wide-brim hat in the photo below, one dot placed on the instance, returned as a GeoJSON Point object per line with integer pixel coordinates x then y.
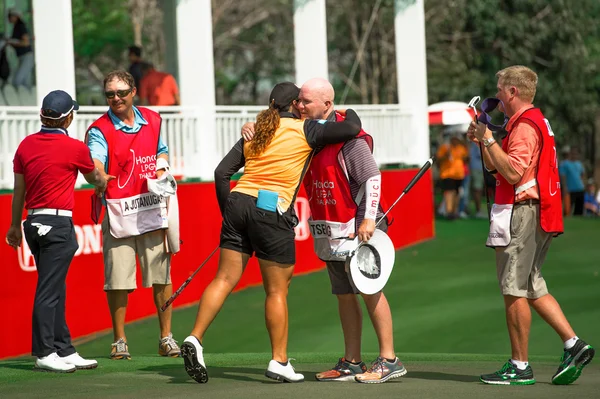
{"type": "Point", "coordinates": [372, 263]}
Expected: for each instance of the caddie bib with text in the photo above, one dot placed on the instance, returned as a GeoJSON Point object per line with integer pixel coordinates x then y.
{"type": "Point", "coordinates": [131, 209]}
{"type": "Point", "coordinates": [332, 207]}
{"type": "Point", "coordinates": [547, 181]}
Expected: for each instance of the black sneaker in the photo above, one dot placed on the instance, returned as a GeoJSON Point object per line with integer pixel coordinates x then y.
{"type": "Point", "coordinates": [509, 374]}
{"type": "Point", "coordinates": [342, 371]}
{"type": "Point", "coordinates": [572, 363]}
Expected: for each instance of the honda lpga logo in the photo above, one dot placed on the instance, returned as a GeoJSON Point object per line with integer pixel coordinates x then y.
{"type": "Point", "coordinates": [89, 238]}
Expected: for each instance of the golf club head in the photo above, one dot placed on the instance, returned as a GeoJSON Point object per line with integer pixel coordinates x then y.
{"type": "Point", "coordinates": [472, 104]}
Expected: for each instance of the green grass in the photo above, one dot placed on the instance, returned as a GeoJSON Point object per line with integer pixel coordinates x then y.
{"type": "Point", "coordinates": [242, 376]}
{"type": "Point", "coordinates": [443, 293]}
{"type": "Point", "coordinates": [448, 327]}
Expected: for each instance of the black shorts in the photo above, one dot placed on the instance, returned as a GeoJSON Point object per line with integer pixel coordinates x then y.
{"type": "Point", "coordinates": [450, 184]}
{"type": "Point", "coordinates": [251, 230]}
{"type": "Point", "coordinates": [341, 282]}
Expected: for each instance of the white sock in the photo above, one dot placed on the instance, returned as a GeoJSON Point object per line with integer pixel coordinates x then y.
{"type": "Point", "coordinates": [571, 342]}
{"type": "Point", "coordinates": [520, 365]}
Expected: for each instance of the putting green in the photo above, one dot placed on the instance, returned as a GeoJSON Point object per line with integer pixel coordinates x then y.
{"type": "Point", "coordinates": [448, 327]}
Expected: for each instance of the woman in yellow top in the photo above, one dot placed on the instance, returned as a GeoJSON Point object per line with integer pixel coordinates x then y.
{"type": "Point", "coordinates": [259, 218]}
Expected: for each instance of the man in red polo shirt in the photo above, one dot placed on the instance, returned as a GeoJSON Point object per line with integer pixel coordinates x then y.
{"type": "Point", "coordinates": [46, 165]}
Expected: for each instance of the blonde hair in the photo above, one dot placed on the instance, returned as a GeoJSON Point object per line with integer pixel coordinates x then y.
{"type": "Point", "coordinates": [267, 123]}
{"type": "Point", "coordinates": [520, 77]}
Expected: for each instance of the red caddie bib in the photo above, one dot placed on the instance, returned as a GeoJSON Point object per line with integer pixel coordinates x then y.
{"type": "Point", "coordinates": [547, 180]}
{"type": "Point", "coordinates": [332, 207]}
{"type": "Point", "coordinates": [131, 209]}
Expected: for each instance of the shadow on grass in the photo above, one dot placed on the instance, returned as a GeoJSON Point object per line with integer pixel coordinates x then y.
{"type": "Point", "coordinates": [437, 376]}
{"type": "Point", "coordinates": [26, 365]}
{"type": "Point", "coordinates": [177, 374]}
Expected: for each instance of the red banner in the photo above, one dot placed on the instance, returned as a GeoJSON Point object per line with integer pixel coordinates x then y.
{"type": "Point", "coordinates": [200, 226]}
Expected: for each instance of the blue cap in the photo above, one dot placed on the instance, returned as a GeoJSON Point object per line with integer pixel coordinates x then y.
{"type": "Point", "coordinates": [57, 104]}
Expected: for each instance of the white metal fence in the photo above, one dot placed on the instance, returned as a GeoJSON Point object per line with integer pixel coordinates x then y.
{"type": "Point", "coordinates": [390, 126]}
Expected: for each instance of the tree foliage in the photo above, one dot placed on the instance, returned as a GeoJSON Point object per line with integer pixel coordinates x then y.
{"type": "Point", "coordinates": [254, 48]}
{"type": "Point", "coordinates": [102, 32]}
{"type": "Point", "coordinates": [362, 33]}
{"type": "Point", "coordinates": [467, 43]}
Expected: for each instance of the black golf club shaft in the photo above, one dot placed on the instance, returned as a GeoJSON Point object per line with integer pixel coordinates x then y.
{"type": "Point", "coordinates": [410, 185]}
{"type": "Point", "coordinates": [186, 282]}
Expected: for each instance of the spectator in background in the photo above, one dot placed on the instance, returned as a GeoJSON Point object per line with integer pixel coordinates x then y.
{"type": "Point", "coordinates": [452, 157]}
{"type": "Point", "coordinates": [571, 169]}
{"type": "Point", "coordinates": [464, 192]}
{"type": "Point", "coordinates": [136, 64]}
{"type": "Point", "coordinates": [477, 181]}
{"type": "Point", "coordinates": [566, 197]}
{"type": "Point", "coordinates": [21, 41]}
{"type": "Point", "coordinates": [158, 88]}
{"type": "Point", "coordinates": [591, 203]}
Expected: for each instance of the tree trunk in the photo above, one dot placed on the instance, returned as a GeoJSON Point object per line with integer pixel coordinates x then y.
{"type": "Point", "coordinates": [137, 33]}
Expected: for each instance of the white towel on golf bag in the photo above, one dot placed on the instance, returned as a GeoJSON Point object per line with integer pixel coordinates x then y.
{"type": "Point", "coordinates": [173, 230]}
{"type": "Point", "coordinates": [166, 186]}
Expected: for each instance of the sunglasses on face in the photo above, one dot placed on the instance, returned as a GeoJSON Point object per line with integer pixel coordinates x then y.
{"type": "Point", "coordinates": [118, 93]}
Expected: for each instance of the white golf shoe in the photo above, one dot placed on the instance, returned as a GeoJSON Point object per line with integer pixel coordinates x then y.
{"type": "Point", "coordinates": [283, 373]}
{"type": "Point", "coordinates": [191, 352]}
{"type": "Point", "coordinates": [80, 363]}
{"type": "Point", "coordinates": [53, 363]}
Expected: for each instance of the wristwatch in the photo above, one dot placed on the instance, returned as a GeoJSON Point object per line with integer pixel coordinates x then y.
{"type": "Point", "coordinates": [488, 142]}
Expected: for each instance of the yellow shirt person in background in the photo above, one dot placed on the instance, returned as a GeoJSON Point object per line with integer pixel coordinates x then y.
{"type": "Point", "coordinates": [452, 159]}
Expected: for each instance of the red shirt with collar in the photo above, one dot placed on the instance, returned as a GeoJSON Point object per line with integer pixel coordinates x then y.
{"type": "Point", "coordinates": [49, 161]}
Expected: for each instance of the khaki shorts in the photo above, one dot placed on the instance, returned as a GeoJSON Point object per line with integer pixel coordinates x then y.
{"type": "Point", "coordinates": [119, 260]}
{"type": "Point", "coordinates": [519, 264]}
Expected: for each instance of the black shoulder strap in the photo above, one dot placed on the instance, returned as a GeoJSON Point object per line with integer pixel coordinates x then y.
{"type": "Point", "coordinates": [304, 171]}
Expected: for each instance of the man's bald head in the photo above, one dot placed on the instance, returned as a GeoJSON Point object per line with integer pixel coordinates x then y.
{"type": "Point", "coordinates": [316, 99]}
{"type": "Point", "coordinates": [320, 87]}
